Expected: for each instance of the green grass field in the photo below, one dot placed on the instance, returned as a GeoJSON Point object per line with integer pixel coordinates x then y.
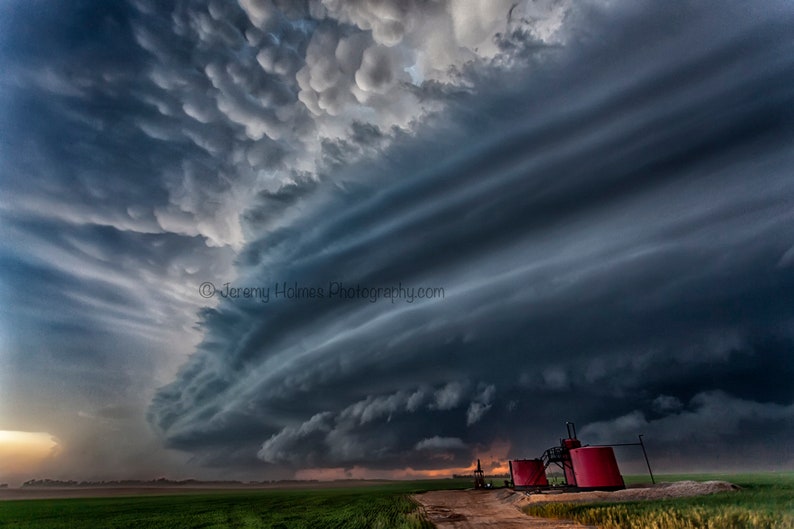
{"type": "Point", "coordinates": [386, 506]}
{"type": "Point", "coordinates": [765, 501]}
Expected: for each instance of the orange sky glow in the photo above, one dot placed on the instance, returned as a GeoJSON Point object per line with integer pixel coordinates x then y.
{"type": "Point", "coordinates": [494, 461]}
{"type": "Point", "coordinates": [23, 452]}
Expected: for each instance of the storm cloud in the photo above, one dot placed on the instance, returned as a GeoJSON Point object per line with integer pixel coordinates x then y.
{"type": "Point", "coordinates": [452, 226]}
{"type": "Point", "coordinates": [609, 222]}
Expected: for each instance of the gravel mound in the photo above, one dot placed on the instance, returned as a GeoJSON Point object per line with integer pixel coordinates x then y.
{"type": "Point", "coordinates": [677, 489]}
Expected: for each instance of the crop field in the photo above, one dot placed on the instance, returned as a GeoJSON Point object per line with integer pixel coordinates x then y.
{"type": "Point", "coordinates": [385, 506]}
{"type": "Point", "coordinates": [766, 501]}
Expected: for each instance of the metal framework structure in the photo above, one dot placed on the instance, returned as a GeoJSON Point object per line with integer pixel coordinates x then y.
{"type": "Point", "coordinates": [561, 457]}
{"type": "Point", "coordinates": [479, 477]}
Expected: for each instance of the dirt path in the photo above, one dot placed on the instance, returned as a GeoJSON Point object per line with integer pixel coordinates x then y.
{"type": "Point", "coordinates": [470, 509]}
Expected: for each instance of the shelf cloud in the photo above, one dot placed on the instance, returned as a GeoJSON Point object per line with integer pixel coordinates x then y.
{"type": "Point", "coordinates": [381, 235]}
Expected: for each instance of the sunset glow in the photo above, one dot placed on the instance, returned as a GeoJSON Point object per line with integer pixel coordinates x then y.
{"type": "Point", "coordinates": [494, 462]}
{"type": "Point", "coordinates": [24, 451]}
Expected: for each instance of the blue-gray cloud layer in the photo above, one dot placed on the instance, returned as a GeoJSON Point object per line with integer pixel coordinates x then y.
{"type": "Point", "coordinates": [613, 231]}
{"type": "Point", "coordinates": [604, 194]}
{"type": "Point", "coordinates": [138, 136]}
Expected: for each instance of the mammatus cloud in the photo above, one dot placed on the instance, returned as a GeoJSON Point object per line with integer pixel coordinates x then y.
{"type": "Point", "coordinates": [575, 178]}
{"type": "Point", "coordinates": [591, 225]}
{"type": "Point", "coordinates": [268, 84]}
{"type": "Point", "coordinates": [145, 144]}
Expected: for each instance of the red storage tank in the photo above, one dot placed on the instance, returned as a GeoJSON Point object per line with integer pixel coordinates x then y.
{"type": "Point", "coordinates": [528, 473]}
{"type": "Point", "coordinates": [595, 468]}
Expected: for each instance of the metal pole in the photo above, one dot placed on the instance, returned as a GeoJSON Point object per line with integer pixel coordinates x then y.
{"type": "Point", "coordinates": [568, 426]}
{"type": "Point", "coordinates": [646, 460]}
{"type": "Point", "coordinates": [619, 444]}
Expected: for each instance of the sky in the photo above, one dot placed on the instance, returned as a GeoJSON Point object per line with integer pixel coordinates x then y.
{"type": "Point", "coordinates": [272, 239]}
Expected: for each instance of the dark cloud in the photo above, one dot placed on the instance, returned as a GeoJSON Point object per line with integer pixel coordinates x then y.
{"type": "Point", "coordinates": [608, 237]}
{"type": "Point", "coordinates": [602, 193]}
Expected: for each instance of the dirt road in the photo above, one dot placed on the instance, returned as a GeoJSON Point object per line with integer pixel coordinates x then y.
{"type": "Point", "coordinates": [470, 509]}
{"type": "Point", "coordinates": [458, 509]}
